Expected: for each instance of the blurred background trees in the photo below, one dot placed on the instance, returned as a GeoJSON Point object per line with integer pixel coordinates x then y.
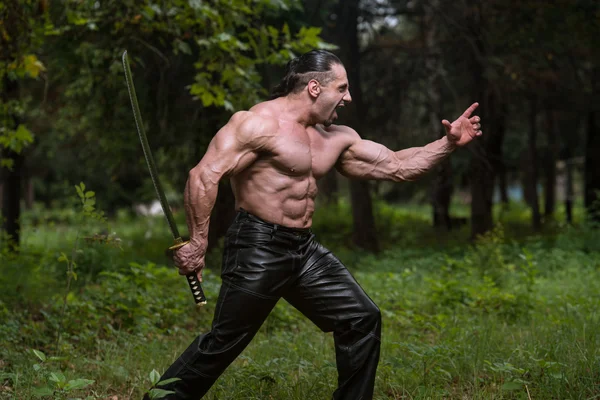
{"type": "Point", "coordinates": [533, 67]}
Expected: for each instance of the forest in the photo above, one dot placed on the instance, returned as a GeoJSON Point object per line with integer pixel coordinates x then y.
{"type": "Point", "coordinates": [486, 271]}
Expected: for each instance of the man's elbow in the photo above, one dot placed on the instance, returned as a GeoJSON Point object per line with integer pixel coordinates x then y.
{"type": "Point", "coordinates": [203, 176]}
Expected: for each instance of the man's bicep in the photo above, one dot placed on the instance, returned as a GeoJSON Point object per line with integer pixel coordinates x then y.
{"type": "Point", "coordinates": [366, 159]}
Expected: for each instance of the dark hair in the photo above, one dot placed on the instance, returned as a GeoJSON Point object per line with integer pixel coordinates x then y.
{"type": "Point", "coordinates": [316, 64]}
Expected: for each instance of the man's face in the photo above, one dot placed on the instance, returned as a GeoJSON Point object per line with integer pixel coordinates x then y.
{"type": "Point", "coordinates": [334, 95]}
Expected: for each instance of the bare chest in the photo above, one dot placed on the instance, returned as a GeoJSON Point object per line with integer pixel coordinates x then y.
{"type": "Point", "coordinates": [303, 152]}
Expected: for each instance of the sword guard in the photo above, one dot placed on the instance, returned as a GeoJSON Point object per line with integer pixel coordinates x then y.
{"type": "Point", "coordinates": [178, 244]}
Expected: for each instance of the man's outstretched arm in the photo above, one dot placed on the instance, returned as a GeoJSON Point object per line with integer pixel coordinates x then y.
{"type": "Point", "coordinates": [233, 149]}
{"type": "Point", "coordinates": [365, 159]}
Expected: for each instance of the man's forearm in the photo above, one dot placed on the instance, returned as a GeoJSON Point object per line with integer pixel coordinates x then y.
{"type": "Point", "coordinates": [199, 199]}
{"type": "Point", "coordinates": [417, 161]}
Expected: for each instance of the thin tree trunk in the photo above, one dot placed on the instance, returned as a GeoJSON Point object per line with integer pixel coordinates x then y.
{"type": "Point", "coordinates": [592, 169]}
{"type": "Point", "coordinates": [29, 194]}
{"type": "Point", "coordinates": [441, 185]}
{"type": "Point", "coordinates": [536, 219]}
{"type": "Point", "coordinates": [364, 232]}
{"type": "Point", "coordinates": [11, 177]}
{"type": "Point", "coordinates": [550, 165]}
{"type": "Point", "coordinates": [11, 197]}
{"type": "Point", "coordinates": [482, 173]}
{"type": "Point", "coordinates": [503, 184]}
{"type": "Point", "coordinates": [569, 192]}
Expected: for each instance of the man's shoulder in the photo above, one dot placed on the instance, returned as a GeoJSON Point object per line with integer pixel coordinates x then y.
{"type": "Point", "coordinates": [251, 122]}
{"type": "Point", "coordinates": [340, 130]}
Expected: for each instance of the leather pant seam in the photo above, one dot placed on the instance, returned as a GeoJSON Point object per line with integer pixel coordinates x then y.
{"type": "Point", "coordinates": [218, 316]}
{"type": "Point", "coordinates": [250, 292]}
{"type": "Point", "coordinates": [194, 370]}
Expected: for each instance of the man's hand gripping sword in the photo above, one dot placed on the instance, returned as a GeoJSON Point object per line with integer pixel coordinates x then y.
{"type": "Point", "coordinates": [192, 279]}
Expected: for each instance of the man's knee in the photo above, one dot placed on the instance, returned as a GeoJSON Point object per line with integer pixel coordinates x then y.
{"type": "Point", "coordinates": [372, 318]}
{"type": "Point", "coordinates": [367, 320]}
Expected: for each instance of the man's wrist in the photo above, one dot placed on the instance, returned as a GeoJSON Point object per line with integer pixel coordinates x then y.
{"type": "Point", "coordinates": [449, 144]}
{"type": "Point", "coordinates": [198, 241]}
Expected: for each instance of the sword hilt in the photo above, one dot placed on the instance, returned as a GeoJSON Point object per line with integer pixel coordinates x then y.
{"type": "Point", "coordinates": [193, 281]}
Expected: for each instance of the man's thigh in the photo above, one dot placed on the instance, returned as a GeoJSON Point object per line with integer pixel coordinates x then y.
{"type": "Point", "coordinates": [327, 293]}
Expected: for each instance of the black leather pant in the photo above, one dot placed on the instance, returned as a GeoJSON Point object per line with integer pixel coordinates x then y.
{"type": "Point", "coordinates": [263, 262]}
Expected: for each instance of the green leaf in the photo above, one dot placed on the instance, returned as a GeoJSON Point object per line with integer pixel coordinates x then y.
{"type": "Point", "coordinates": [154, 377]}
{"type": "Point", "coordinates": [55, 358]}
{"type": "Point", "coordinates": [39, 354]}
{"type": "Point", "coordinates": [509, 386]}
{"type": "Point", "coordinates": [63, 258]}
{"type": "Point", "coordinates": [23, 134]}
{"type": "Point", "coordinates": [90, 194]}
{"type": "Point", "coordinates": [7, 163]}
{"type": "Point", "coordinates": [159, 393]}
{"type": "Point", "coordinates": [37, 367]}
{"type": "Point", "coordinates": [183, 47]}
{"type": "Point", "coordinates": [43, 391]}
{"type": "Point", "coordinates": [78, 384]}
{"type": "Point", "coordinates": [167, 381]}
{"type": "Point", "coordinates": [57, 377]}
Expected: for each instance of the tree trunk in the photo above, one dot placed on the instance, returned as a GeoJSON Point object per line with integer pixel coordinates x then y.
{"type": "Point", "coordinates": [29, 194]}
{"type": "Point", "coordinates": [11, 177]}
{"type": "Point", "coordinates": [11, 196]}
{"type": "Point", "coordinates": [503, 184]}
{"type": "Point", "coordinates": [482, 171]}
{"type": "Point", "coordinates": [482, 190]}
{"type": "Point", "coordinates": [550, 165]}
{"type": "Point", "coordinates": [364, 232]}
{"type": "Point", "coordinates": [592, 169]}
{"type": "Point", "coordinates": [569, 192]}
{"type": "Point", "coordinates": [441, 185]}
{"type": "Point", "coordinates": [486, 159]}
{"type": "Point", "coordinates": [536, 219]}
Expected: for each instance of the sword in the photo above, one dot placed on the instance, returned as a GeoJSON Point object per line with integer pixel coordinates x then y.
{"type": "Point", "coordinates": [192, 279]}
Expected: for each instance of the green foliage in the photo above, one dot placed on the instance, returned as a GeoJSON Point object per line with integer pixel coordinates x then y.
{"type": "Point", "coordinates": [56, 383]}
{"type": "Point", "coordinates": [453, 327]}
{"type": "Point", "coordinates": [19, 40]}
{"type": "Point", "coordinates": [156, 392]}
{"type": "Point", "coordinates": [193, 64]}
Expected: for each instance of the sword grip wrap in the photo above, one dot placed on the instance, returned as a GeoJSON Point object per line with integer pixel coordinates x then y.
{"type": "Point", "coordinates": [193, 281]}
{"type": "Point", "coordinates": [196, 289]}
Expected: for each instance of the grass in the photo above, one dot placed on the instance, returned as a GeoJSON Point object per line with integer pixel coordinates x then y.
{"type": "Point", "coordinates": [513, 316]}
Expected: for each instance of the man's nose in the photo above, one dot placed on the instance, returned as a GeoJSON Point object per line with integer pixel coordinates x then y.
{"type": "Point", "coordinates": [347, 98]}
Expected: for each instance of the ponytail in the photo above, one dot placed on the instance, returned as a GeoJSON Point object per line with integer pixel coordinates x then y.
{"type": "Point", "coordinates": [315, 64]}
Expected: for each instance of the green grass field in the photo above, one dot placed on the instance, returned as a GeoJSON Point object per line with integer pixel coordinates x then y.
{"type": "Point", "coordinates": [511, 316]}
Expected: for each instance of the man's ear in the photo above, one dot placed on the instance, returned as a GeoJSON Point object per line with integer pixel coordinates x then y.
{"type": "Point", "coordinates": [314, 88]}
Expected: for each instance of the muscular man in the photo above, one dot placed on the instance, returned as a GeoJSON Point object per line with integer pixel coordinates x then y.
{"type": "Point", "coordinates": [273, 155]}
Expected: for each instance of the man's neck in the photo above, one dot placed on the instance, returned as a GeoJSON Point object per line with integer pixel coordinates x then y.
{"type": "Point", "coordinates": [298, 109]}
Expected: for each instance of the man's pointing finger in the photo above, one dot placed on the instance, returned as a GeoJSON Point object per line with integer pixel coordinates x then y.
{"type": "Point", "coordinates": [470, 110]}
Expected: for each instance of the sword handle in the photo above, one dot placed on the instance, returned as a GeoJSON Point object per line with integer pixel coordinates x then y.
{"type": "Point", "coordinates": [195, 285]}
